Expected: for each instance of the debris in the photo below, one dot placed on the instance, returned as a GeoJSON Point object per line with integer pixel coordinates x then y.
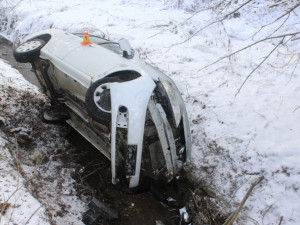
{"type": "Point", "coordinates": [24, 140]}
{"type": "Point", "coordinates": [3, 207]}
{"type": "Point", "coordinates": [20, 130]}
{"type": "Point", "coordinates": [2, 121]}
{"type": "Point", "coordinates": [184, 214]}
{"type": "Point", "coordinates": [99, 209]}
{"type": "Point", "coordinates": [54, 115]}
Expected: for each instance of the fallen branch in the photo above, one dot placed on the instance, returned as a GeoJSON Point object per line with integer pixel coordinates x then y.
{"type": "Point", "coordinates": [233, 216]}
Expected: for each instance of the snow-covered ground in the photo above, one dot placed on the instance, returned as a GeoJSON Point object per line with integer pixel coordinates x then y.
{"type": "Point", "coordinates": [20, 206]}
{"type": "Point", "coordinates": [235, 138]}
{"type": "Point", "coordinates": [32, 157]}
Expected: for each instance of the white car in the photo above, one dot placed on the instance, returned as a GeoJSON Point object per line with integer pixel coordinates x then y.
{"type": "Point", "coordinates": [132, 112]}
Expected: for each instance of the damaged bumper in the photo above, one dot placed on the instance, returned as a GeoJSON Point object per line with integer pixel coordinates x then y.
{"type": "Point", "coordinates": [153, 117]}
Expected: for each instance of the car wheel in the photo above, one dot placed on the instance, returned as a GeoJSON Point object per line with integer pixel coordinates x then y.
{"type": "Point", "coordinates": [98, 102]}
{"type": "Point", "coordinates": [29, 51]}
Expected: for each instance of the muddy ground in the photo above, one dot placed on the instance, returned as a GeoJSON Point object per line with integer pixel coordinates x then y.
{"type": "Point", "coordinates": [91, 171]}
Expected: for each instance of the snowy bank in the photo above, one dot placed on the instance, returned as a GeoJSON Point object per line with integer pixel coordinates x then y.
{"type": "Point", "coordinates": [17, 204]}
{"type": "Point", "coordinates": [36, 185]}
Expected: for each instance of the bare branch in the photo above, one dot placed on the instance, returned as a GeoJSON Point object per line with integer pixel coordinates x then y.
{"type": "Point", "coordinates": [248, 46]}
{"type": "Point", "coordinates": [288, 11]}
{"type": "Point", "coordinates": [294, 70]}
{"type": "Point", "coordinates": [202, 10]}
{"type": "Point", "coordinates": [216, 21]}
{"type": "Point", "coordinates": [288, 16]}
{"type": "Point", "coordinates": [281, 218]}
{"type": "Point", "coordinates": [258, 66]}
{"type": "Point", "coordinates": [33, 214]}
{"type": "Point", "coordinates": [279, 3]}
{"type": "Point", "coordinates": [296, 109]}
{"type": "Point", "coordinates": [194, 14]}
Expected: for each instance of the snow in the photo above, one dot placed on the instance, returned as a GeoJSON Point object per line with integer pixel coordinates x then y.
{"type": "Point", "coordinates": [19, 166]}
{"type": "Point", "coordinates": [22, 206]}
{"type": "Point", "coordinates": [235, 138]}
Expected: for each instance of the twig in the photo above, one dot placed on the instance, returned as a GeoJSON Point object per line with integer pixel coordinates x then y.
{"type": "Point", "coordinates": [202, 10]}
{"type": "Point", "coordinates": [253, 220]}
{"type": "Point", "coordinates": [298, 60]}
{"type": "Point", "coordinates": [281, 218]}
{"type": "Point", "coordinates": [33, 214]}
{"type": "Point", "coordinates": [248, 46]}
{"type": "Point", "coordinates": [265, 211]}
{"type": "Point", "coordinates": [232, 196]}
{"type": "Point", "coordinates": [17, 160]}
{"type": "Point", "coordinates": [19, 188]}
{"type": "Point", "coordinates": [258, 67]}
{"type": "Point", "coordinates": [288, 16]}
{"type": "Point", "coordinates": [288, 11]}
{"type": "Point", "coordinates": [231, 219]}
{"type": "Point", "coordinates": [13, 209]}
{"type": "Point", "coordinates": [216, 21]}
{"type": "Point", "coordinates": [194, 199]}
{"type": "Point", "coordinates": [195, 13]}
{"type": "Point", "coordinates": [296, 109]}
{"type": "Point", "coordinates": [279, 3]}
{"type": "Point", "coordinates": [229, 46]}
{"type": "Point", "coordinates": [99, 168]}
{"type": "Point", "coordinates": [281, 67]}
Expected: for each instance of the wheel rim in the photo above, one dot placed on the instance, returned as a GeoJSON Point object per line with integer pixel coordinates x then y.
{"type": "Point", "coordinates": [28, 46]}
{"type": "Point", "coordinates": [102, 97]}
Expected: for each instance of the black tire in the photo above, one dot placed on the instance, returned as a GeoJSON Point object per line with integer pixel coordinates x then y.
{"type": "Point", "coordinates": [101, 112]}
{"type": "Point", "coordinates": [29, 51]}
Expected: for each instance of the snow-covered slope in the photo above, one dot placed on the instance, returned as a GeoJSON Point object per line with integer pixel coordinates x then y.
{"type": "Point", "coordinates": [235, 138]}
{"type": "Point", "coordinates": [36, 184]}
{"type": "Point", "coordinates": [20, 206]}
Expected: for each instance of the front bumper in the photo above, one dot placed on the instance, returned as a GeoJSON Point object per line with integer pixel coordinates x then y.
{"type": "Point", "coordinates": [132, 103]}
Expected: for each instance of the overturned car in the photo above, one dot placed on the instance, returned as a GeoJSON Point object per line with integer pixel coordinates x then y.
{"type": "Point", "coordinates": [129, 110]}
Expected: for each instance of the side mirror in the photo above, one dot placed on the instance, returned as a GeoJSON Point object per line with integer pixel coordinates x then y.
{"type": "Point", "coordinates": [128, 52]}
